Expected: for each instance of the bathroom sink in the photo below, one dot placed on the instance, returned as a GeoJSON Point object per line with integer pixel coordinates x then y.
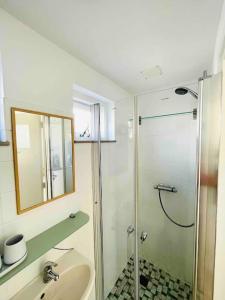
{"type": "Point", "coordinates": [76, 279]}
{"type": "Point", "coordinates": [71, 285]}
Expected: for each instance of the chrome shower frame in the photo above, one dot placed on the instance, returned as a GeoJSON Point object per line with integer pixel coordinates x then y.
{"type": "Point", "coordinates": [97, 203]}
{"type": "Point", "coordinates": [136, 196]}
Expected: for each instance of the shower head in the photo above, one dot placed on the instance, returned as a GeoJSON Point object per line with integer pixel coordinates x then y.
{"type": "Point", "coordinates": [185, 90]}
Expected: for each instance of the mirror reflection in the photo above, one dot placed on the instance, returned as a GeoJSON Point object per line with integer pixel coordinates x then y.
{"type": "Point", "coordinates": [43, 156]}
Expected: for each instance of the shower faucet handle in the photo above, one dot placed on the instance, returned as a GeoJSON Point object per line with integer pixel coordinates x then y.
{"type": "Point", "coordinates": [166, 188]}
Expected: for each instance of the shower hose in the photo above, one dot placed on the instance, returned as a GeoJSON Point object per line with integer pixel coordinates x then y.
{"type": "Point", "coordinates": [174, 222]}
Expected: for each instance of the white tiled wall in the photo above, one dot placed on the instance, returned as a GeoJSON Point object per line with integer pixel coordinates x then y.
{"type": "Point", "coordinates": [38, 75]}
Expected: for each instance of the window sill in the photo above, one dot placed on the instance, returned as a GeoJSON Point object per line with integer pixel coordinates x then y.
{"type": "Point", "coordinates": [103, 141]}
{"type": "Point", "coordinates": [4, 143]}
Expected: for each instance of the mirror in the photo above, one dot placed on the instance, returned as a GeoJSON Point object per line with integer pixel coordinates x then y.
{"type": "Point", "coordinates": [43, 148]}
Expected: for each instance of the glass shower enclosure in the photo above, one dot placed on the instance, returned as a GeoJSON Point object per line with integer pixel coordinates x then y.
{"type": "Point", "coordinates": [167, 200]}
{"type": "Point", "coordinates": [146, 191]}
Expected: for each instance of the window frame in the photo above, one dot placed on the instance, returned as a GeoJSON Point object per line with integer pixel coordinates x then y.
{"type": "Point", "coordinates": [107, 116]}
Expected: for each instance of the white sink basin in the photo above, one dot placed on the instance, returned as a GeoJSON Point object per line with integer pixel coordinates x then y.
{"type": "Point", "coordinates": [76, 279]}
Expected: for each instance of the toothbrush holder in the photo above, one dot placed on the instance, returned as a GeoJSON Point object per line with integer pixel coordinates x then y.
{"type": "Point", "coordinates": [14, 249]}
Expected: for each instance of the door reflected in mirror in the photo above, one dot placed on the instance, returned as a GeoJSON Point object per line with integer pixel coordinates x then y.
{"type": "Point", "coordinates": [43, 146]}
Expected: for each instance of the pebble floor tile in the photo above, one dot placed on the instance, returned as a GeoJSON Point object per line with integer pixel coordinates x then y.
{"type": "Point", "coordinates": [160, 284]}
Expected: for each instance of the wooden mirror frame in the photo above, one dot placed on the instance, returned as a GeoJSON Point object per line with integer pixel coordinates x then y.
{"type": "Point", "coordinates": [15, 157]}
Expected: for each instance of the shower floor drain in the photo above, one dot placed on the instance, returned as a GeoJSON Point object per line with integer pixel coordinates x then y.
{"type": "Point", "coordinates": [144, 281]}
{"type": "Point", "coordinates": [155, 284]}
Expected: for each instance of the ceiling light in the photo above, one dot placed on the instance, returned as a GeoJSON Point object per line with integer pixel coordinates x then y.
{"type": "Point", "coordinates": [152, 72]}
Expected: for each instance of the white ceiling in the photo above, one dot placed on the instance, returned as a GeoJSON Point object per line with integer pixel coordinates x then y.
{"type": "Point", "coordinates": [121, 38]}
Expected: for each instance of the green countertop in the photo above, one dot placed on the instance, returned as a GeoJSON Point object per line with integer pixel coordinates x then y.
{"type": "Point", "coordinates": [48, 239]}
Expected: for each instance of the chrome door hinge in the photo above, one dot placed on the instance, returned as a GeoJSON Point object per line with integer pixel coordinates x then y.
{"type": "Point", "coordinates": [195, 113]}
{"type": "Point", "coordinates": [140, 120]}
{"type": "Point", "coordinates": [204, 76]}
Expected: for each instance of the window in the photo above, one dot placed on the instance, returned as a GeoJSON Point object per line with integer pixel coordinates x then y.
{"type": "Point", "coordinates": [83, 121]}
{"type": "Point", "coordinates": [2, 117]}
{"type": "Point", "coordinates": [83, 109]}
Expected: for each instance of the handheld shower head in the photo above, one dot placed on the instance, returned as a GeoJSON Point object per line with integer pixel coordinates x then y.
{"type": "Point", "coordinates": [184, 90]}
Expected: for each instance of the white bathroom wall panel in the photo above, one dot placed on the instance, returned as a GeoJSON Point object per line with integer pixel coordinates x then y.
{"type": "Point", "coordinates": [38, 75]}
{"type": "Point", "coordinates": [168, 155]}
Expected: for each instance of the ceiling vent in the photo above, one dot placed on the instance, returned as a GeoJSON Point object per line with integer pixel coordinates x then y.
{"type": "Point", "coordinates": [152, 72]}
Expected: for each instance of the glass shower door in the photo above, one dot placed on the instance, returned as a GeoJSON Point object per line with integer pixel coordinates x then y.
{"type": "Point", "coordinates": [167, 195]}
{"type": "Point", "coordinates": [117, 202]}
{"type": "Point", "coordinates": [113, 187]}
{"type": "Point", "coordinates": [147, 208]}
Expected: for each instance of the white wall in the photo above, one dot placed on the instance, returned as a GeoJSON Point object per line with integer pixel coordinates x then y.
{"type": "Point", "coordinates": [30, 223]}
{"type": "Point", "coordinates": [167, 155]}
{"type": "Point", "coordinates": [38, 75]}
{"type": "Point", "coordinates": [219, 44]}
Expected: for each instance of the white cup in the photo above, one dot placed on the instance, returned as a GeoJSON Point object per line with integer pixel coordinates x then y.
{"type": "Point", "coordinates": [14, 249]}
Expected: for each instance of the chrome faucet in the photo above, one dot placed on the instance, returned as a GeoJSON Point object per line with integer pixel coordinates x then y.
{"type": "Point", "coordinates": [48, 273]}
